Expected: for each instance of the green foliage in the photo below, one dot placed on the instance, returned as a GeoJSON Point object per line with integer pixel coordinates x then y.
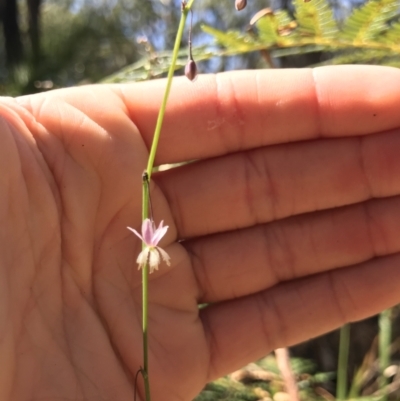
{"type": "Point", "coordinates": [77, 46]}
{"type": "Point", "coordinates": [370, 35]}
{"type": "Point", "coordinates": [315, 19]}
{"type": "Point", "coordinates": [81, 46]}
{"type": "Point", "coordinates": [155, 64]}
{"type": "Point", "coordinates": [367, 32]}
{"type": "Point", "coordinates": [391, 35]}
{"type": "Point", "coordinates": [370, 21]}
{"type": "Point", "coordinates": [262, 380]}
{"type": "Point", "coordinates": [226, 389]}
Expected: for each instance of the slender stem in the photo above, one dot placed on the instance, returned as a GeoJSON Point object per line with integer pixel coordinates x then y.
{"type": "Point", "coordinates": [145, 196]}
{"type": "Point", "coordinates": [161, 114]}
{"type": "Point", "coordinates": [385, 334]}
{"type": "Point", "coordinates": [344, 345]}
{"type": "Point", "coordinates": [190, 36]}
{"type": "Point", "coordinates": [145, 296]}
{"type": "Point", "coordinates": [145, 214]}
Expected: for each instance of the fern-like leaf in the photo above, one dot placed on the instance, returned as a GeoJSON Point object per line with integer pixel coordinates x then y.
{"type": "Point", "coordinates": [315, 18]}
{"type": "Point", "coordinates": [392, 35]}
{"type": "Point", "coordinates": [277, 29]}
{"type": "Point", "coordinates": [370, 35]}
{"type": "Point", "coordinates": [369, 21]}
{"type": "Point", "coordinates": [236, 41]}
{"type": "Point", "coordinates": [268, 30]}
{"type": "Point", "coordinates": [352, 56]}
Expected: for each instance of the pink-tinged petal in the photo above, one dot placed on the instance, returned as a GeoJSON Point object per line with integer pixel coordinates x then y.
{"type": "Point", "coordinates": [143, 257]}
{"type": "Point", "coordinates": [160, 232]}
{"type": "Point", "coordinates": [147, 231]}
{"type": "Point", "coordinates": [164, 255]}
{"type": "Point", "coordinates": [154, 260]}
{"type": "Point", "coordinates": [135, 232]}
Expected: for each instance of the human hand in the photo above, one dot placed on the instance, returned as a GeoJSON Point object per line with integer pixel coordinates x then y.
{"type": "Point", "coordinates": [290, 222]}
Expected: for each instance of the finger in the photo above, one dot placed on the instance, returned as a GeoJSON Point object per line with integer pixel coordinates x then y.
{"type": "Point", "coordinates": [245, 329]}
{"type": "Point", "coordinates": [234, 111]}
{"type": "Point", "coordinates": [250, 260]}
{"type": "Point", "coordinates": [272, 183]}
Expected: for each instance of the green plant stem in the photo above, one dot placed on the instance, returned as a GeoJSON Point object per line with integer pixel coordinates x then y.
{"type": "Point", "coordinates": [344, 346]}
{"type": "Point", "coordinates": [145, 206]}
{"type": "Point", "coordinates": [145, 300]}
{"type": "Point", "coordinates": [171, 70]}
{"type": "Point", "coordinates": [385, 335]}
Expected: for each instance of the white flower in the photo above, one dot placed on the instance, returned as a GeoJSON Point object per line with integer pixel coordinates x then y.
{"type": "Point", "coordinates": [151, 252]}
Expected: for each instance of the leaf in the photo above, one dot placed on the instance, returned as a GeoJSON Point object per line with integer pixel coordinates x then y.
{"type": "Point", "coordinates": [268, 30]}
{"type": "Point", "coordinates": [352, 56]}
{"type": "Point", "coordinates": [315, 18]}
{"type": "Point", "coordinates": [392, 35]}
{"type": "Point", "coordinates": [369, 21]}
{"type": "Point", "coordinates": [232, 39]}
{"type": "Point", "coordinates": [368, 36]}
{"type": "Point", "coordinates": [277, 29]}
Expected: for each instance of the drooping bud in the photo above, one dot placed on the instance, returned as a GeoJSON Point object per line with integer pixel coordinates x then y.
{"type": "Point", "coordinates": [191, 70]}
{"type": "Point", "coordinates": [240, 4]}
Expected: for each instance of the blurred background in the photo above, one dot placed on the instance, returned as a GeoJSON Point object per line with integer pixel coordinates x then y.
{"type": "Point", "coordinates": [46, 44]}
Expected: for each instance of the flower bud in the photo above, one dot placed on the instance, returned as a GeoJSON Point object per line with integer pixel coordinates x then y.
{"type": "Point", "coordinates": [191, 70]}
{"type": "Point", "coordinates": [240, 4]}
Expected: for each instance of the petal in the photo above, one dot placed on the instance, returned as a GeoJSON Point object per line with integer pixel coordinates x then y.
{"type": "Point", "coordinates": [143, 257]}
{"type": "Point", "coordinates": [147, 231]}
{"type": "Point", "coordinates": [135, 232]}
{"type": "Point", "coordinates": [164, 255]}
{"type": "Point", "coordinates": [159, 233]}
{"type": "Point", "coordinates": [154, 260]}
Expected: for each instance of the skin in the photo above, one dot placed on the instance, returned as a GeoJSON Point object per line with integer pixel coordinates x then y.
{"type": "Point", "coordinates": [291, 221]}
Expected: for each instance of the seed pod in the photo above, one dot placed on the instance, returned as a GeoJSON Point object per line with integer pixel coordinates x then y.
{"type": "Point", "coordinates": [191, 70]}
{"type": "Point", "coordinates": [240, 4]}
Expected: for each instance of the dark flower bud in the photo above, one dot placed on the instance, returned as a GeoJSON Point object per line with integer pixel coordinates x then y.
{"type": "Point", "coordinates": [191, 70]}
{"type": "Point", "coordinates": [240, 4]}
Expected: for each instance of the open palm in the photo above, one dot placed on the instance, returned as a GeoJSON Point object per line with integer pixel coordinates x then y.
{"type": "Point", "coordinates": [288, 225]}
